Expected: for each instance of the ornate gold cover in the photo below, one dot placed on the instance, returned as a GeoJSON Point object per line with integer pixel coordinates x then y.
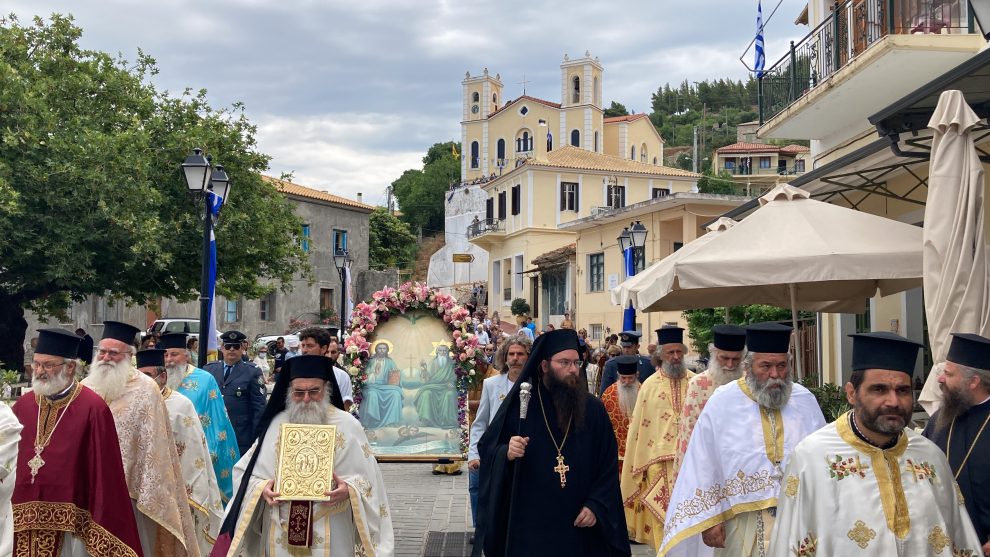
{"type": "Point", "coordinates": [305, 462]}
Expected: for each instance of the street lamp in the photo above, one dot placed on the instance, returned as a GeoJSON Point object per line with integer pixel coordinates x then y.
{"type": "Point", "coordinates": [341, 260]}
{"type": "Point", "coordinates": [202, 179]}
{"type": "Point", "coordinates": [631, 238]}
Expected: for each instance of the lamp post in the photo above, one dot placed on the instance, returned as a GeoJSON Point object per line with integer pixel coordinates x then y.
{"type": "Point", "coordinates": [631, 238]}
{"type": "Point", "coordinates": [202, 179]}
{"type": "Point", "coordinates": [341, 260]}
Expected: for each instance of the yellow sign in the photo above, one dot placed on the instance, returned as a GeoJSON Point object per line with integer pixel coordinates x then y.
{"type": "Point", "coordinates": [305, 462]}
{"type": "Point", "coordinates": [463, 258]}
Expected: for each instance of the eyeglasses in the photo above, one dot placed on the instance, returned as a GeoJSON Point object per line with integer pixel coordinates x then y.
{"type": "Point", "coordinates": [48, 367]}
{"type": "Point", "coordinates": [112, 352]}
{"type": "Point", "coordinates": [315, 392]}
{"type": "Point", "coordinates": [231, 345]}
{"type": "Point", "coordinates": [568, 363]}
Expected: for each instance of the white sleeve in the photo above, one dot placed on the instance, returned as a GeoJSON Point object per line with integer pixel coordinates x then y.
{"type": "Point", "coordinates": [344, 383]}
{"type": "Point", "coordinates": [480, 422]}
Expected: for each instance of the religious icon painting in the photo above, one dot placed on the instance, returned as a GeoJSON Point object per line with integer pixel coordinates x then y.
{"type": "Point", "coordinates": [413, 361]}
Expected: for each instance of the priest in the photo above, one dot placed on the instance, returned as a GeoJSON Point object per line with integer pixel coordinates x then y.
{"type": "Point", "coordinates": [355, 518]}
{"type": "Point", "coordinates": [151, 463]}
{"type": "Point", "coordinates": [10, 436]}
{"type": "Point", "coordinates": [199, 386]}
{"type": "Point", "coordinates": [866, 484]}
{"type": "Point", "coordinates": [70, 486]}
{"type": "Point", "coordinates": [958, 426]}
{"type": "Point", "coordinates": [648, 470]}
{"type": "Point", "coordinates": [723, 500]}
{"type": "Point", "coordinates": [202, 490]}
{"type": "Point", "coordinates": [726, 353]}
{"type": "Point", "coordinates": [551, 484]}
{"type": "Point", "coordinates": [620, 400]}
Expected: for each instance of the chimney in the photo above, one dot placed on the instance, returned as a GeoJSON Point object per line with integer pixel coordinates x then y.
{"type": "Point", "coordinates": [359, 197]}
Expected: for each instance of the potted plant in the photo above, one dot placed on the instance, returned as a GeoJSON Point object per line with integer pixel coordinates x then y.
{"type": "Point", "coordinates": [7, 379]}
{"type": "Point", "coordinates": [520, 308]}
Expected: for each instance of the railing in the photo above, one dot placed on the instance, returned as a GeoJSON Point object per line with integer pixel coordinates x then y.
{"type": "Point", "coordinates": [598, 212]}
{"type": "Point", "coordinates": [747, 171]}
{"type": "Point", "coordinates": [477, 228]}
{"type": "Point", "coordinates": [852, 28]}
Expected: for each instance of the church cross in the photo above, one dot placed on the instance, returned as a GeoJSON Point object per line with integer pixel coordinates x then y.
{"type": "Point", "coordinates": [561, 469]}
{"type": "Point", "coordinates": [523, 83]}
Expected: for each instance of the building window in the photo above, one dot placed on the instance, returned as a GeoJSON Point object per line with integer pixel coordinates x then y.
{"type": "Point", "coordinates": [660, 192]}
{"type": "Point", "coordinates": [568, 196]}
{"type": "Point", "coordinates": [474, 154]}
{"type": "Point", "coordinates": [575, 138]}
{"type": "Point", "coordinates": [516, 199]}
{"type": "Point", "coordinates": [500, 149]}
{"type": "Point", "coordinates": [507, 283]}
{"type": "Point", "coordinates": [678, 245]}
{"type": "Point", "coordinates": [524, 142]}
{"type": "Point", "coordinates": [326, 299]}
{"type": "Point", "coordinates": [475, 97]}
{"type": "Point", "coordinates": [304, 240]}
{"type": "Point", "coordinates": [764, 162]}
{"type": "Point", "coordinates": [596, 272]}
{"type": "Point", "coordinates": [266, 308]}
{"type": "Point", "coordinates": [730, 164]}
{"type": "Point", "coordinates": [495, 99]}
{"type": "Point", "coordinates": [524, 110]}
{"type": "Point", "coordinates": [654, 160]}
{"type": "Point", "coordinates": [549, 141]}
{"type": "Point", "coordinates": [596, 141]}
{"type": "Point", "coordinates": [632, 153]}
{"type": "Point", "coordinates": [339, 240]}
{"type": "Point", "coordinates": [643, 157]}
{"type": "Point", "coordinates": [232, 313]}
{"type": "Point", "coordinates": [596, 331]}
{"type": "Point", "coordinates": [598, 92]}
{"type": "Point", "coordinates": [616, 197]}
{"type": "Point", "coordinates": [501, 205]}
{"type": "Point", "coordinates": [518, 269]}
{"type": "Point", "coordinates": [799, 165]}
{"type": "Point", "coordinates": [576, 90]}
{"type": "Point", "coordinates": [496, 278]}
{"type": "Point", "coordinates": [490, 208]}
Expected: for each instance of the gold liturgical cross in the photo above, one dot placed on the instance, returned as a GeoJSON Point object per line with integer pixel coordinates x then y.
{"type": "Point", "coordinates": [561, 469]}
{"type": "Point", "coordinates": [36, 463]}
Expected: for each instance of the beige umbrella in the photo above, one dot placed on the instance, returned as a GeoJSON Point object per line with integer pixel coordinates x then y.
{"type": "Point", "coordinates": [791, 252]}
{"type": "Point", "coordinates": [957, 288]}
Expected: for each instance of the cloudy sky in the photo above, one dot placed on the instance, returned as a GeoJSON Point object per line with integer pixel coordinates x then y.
{"type": "Point", "coordinates": [347, 95]}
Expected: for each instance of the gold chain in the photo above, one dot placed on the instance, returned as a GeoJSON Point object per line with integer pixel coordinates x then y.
{"type": "Point", "coordinates": [42, 437]}
{"type": "Point", "coordinates": [559, 447]}
{"type": "Point", "coordinates": [948, 443]}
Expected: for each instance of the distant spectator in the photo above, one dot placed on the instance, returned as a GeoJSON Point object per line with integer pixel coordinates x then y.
{"type": "Point", "coordinates": [192, 345]}
{"type": "Point", "coordinates": [567, 323]}
{"type": "Point", "coordinates": [278, 353]}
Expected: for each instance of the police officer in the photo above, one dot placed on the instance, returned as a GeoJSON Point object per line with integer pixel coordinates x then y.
{"type": "Point", "coordinates": [243, 388]}
{"type": "Point", "coordinates": [629, 343]}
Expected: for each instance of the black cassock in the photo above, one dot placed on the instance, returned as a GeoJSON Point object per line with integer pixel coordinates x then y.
{"type": "Point", "coordinates": [974, 479]}
{"type": "Point", "coordinates": [541, 521]}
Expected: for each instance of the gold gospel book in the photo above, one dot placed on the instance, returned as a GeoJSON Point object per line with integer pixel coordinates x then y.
{"type": "Point", "coordinates": [305, 462]}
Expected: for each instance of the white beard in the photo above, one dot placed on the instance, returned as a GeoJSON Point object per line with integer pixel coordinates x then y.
{"type": "Point", "coordinates": [722, 376]}
{"type": "Point", "coordinates": [627, 398]}
{"type": "Point", "coordinates": [176, 374]}
{"type": "Point", "coordinates": [674, 371]}
{"type": "Point", "coordinates": [312, 413]}
{"type": "Point", "coordinates": [109, 379]}
{"type": "Point", "coordinates": [53, 385]}
{"type": "Point", "coordinates": [774, 399]}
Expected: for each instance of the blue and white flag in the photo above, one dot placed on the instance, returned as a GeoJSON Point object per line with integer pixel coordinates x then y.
{"type": "Point", "coordinates": [760, 56]}
{"type": "Point", "coordinates": [215, 203]}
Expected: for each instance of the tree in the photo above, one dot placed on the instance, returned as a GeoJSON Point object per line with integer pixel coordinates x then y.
{"type": "Point", "coordinates": [701, 321]}
{"type": "Point", "coordinates": [717, 184]}
{"type": "Point", "coordinates": [94, 201]}
{"type": "Point", "coordinates": [391, 243]}
{"type": "Point", "coordinates": [615, 109]}
{"type": "Point", "coordinates": [421, 193]}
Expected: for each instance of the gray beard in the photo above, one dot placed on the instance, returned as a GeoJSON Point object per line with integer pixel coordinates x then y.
{"type": "Point", "coordinates": [721, 376]}
{"type": "Point", "coordinates": [627, 398]}
{"type": "Point", "coordinates": [773, 399]}
{"type": "Point", "coordinates": [311, 413]}
{"type": "Point", "coordinates": [674, 371]}
{"type": "Point", "coordinates": [176, 374]}
{"type": "Point", "coordinates": [109, 379]}
{"type": "Point", "coordinates": [53, 385]}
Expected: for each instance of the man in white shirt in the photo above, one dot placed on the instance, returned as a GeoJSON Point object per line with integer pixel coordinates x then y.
{"type": "Point", "coordinates": [316, 341]}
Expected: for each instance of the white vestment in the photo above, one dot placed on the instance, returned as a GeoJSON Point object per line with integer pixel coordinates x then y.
{"type": "Point", "coordinates": [733, 466]}
{"type": "Point", "coordinates": [202, 488]}
{"type": "Point", "coordinates": [10, 436]}
{"type": "Point", "coordinates": [843, 496]}
{"type": "Point", "coordinates": [361, 525]}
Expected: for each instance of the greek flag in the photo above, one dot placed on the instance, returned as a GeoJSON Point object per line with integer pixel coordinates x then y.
{"type": "Point", "coordinates": [760, 57]}
{"type": "Point", "coordinates": [215, 203]}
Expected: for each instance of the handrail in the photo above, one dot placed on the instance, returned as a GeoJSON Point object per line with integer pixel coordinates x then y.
{"type": "Point", "coordinates": [479, 227]}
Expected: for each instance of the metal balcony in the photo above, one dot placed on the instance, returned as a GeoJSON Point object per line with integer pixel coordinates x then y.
{"type": "Point", "coordinates": [487, 226]}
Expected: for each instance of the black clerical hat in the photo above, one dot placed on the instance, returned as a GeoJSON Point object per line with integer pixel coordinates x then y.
{"type": "Point", "coordinates": [173, 340]}
{"type": "Point", "coordinates": [768, 337]}
{"type": "Point", "coordinates": [627, 364]}
{"type": "Point", "coordinates": [559, 340]}
{"type": "Point", "coordinates": [153, 357]}
{"type": "Point", "coordinates": [120, 331]}
{"type": "Point", "coordinates": [334, 331]}
{"type": "Point", "coordinates": [884, 351]}
{"type": "Point", "coordinates": [58, 342]}
{"type": "Point", "coordinates": [970, 350]}
{"type": "Point", "coordinates": [731, 338]}
{"type": "Point", "coordinates": [629, 338]}
{"type": "Point", "coordinates": [309, 367]}
{"type": "Point", "coordinates": [668, 334]}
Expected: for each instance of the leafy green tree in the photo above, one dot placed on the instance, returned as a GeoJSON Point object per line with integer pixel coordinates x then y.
{"type": "Point", "coordinates": [701, 321]}
{"type": "Point", "coordinates": [615, 109]}
{"type": "Point", "coordinates": [719, 184]}
{"type": "Point", "coordinates": [94, 201]}
{"type": "Point", "coordinates": [391, 243]}
{"type": "Point", "coordinates": [421, 193]}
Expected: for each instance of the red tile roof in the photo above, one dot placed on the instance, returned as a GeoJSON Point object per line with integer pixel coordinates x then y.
{"type": "Point", "coordinates": [302, 191]}
{"type": "Point", "coordinates": [744, 147]}
{"type": "Point", "coordinates": [626, 118]}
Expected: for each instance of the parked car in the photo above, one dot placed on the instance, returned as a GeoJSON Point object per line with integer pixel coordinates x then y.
{"type": "Point", "coordinates": [269, 340]}
{"type": "Point", "coordinates": [186, 325]}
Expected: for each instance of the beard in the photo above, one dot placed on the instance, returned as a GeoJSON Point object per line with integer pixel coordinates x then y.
{"type": "Point", "coordinates": [954, 404]}
{"type": "Point", "coordinates": [674, 371]}
{"type": "Point", "coordinates": [721, 375]}
{"type": "Point", "coordinates": [568, 400]}
{"type": "Point", "coordinates": [770, 393]}
{"type": "Point", "coordinates": [51, 384]}
{"type": "Point", "coordinates": [627, 398]}
{"type": "Point", "coordinates": [109, 379]}
{"type": "Point", "coordinates": [176, 374]}
{"type": "Point", "coordinates": [314, 412]}
{"type": "Point", "coordinates": [885, 419]}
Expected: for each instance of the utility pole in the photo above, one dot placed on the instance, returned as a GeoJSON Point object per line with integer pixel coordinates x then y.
{"type": "Point", "coordinates": [388, 200]}
{"type": "Point", "coordinates": [694, 157]}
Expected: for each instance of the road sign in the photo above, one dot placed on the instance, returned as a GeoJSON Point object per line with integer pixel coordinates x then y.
{"type": "Point", "coordinates": [463, 258]}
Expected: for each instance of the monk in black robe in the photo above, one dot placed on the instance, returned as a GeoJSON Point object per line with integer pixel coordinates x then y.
{"type": "Point", "coordinates": [959, 427]}
{"type": "Point", "coordinates": [534, 498]}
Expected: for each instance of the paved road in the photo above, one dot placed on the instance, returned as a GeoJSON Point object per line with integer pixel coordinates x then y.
{"type": "Point", "coordinates": [431, 514]}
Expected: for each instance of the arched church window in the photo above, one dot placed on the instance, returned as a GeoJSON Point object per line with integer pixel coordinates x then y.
{"type": "Point", "coordinates": [474, 154]}
{"type": "Point", "coordinates": [575, 138]}
{"type": "Point", "coordinates": [576, 90]}
{"type": "Point", "coordinates": [475, 97]}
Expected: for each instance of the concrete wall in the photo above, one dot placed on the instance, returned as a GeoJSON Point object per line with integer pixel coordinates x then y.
{"type": "Point", "coordinates": [462, 207]}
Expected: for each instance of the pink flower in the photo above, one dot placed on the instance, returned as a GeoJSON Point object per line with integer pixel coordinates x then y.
{"type": "Point", "coordinates": [370, 327]}
{"type": "Point", "coordinates": [457, 334]}
{"type": "Point", "coordinates": [463, 357]}
{"type": "Point", "coordinates": [357, 361]}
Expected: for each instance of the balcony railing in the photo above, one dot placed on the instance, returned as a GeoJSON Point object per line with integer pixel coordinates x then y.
{"type": "Point", "coordinates": [851, 29]}
{"type": "Point", "coordinates": [477, 228]}
{"type": "Point", "coordinates": [598, 212]}
{"type": "Point", "coordinates": [782, 171]}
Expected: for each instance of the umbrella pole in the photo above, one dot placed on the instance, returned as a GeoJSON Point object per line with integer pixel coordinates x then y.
{"type": "Point", "coordinates": [797, 334]}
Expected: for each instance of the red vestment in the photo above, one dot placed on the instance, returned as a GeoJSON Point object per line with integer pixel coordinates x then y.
{"type": "Point", "coordinates": [81, 487]}
{"type": "Point", "coordinates": [620, 422]}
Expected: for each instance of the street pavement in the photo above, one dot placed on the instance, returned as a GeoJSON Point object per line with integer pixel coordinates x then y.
{"type": "Point", "coordinates": [431, 515]}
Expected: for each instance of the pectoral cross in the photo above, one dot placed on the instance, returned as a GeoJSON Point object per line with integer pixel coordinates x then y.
{"type": "Point", "coordinates": [561, 469]}
{"type": "Point", "coordinates": [36, 463]}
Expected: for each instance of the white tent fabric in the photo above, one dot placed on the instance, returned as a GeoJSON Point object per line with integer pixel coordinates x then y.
{"type": "Point", "coordinates": [957, 265]}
